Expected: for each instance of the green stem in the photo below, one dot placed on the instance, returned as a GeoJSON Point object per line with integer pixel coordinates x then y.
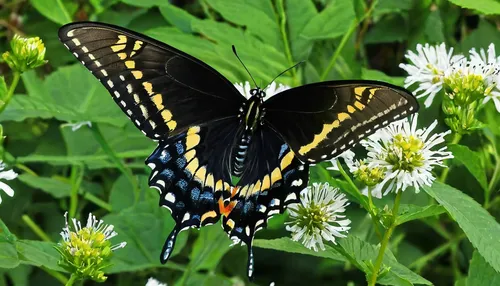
{"type": "Point", "coordinates": [422, 261]}
{"type": "Point", "coordinates": [367, 206]}
{"type": "Point", "coordinates": [119, 163]}
{"type": "Point", "coordinates": [35, 228]}
{"type": "Point", "coordinates": [336, 54]}
{"type": "Point", "coordinates": [90, 197]}
{"type": "Point", "coordinates": [71, 280]}
{"type": "Point", "coordinates": [76, 181]}
{"type": "Point", "coordinates": [26, 169]}
{"type": "Point", "coordinates": [492, 182]}
{"type": "Point", "coordinates": [61, 278]}
{"type": "Point", "coordinates": [286, 43]}
{"type": "Point", "coordinates": [10, 92]}
{"type": "Point", "coordinates": [456, 138]}
{"type": "Point", "coordinates": [385, 240]}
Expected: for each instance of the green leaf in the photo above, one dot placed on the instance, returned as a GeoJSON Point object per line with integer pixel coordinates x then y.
{"type": "Point", "coordinates": [413, 212]}
{"type": "Point", "coordinates": [3, 88]}
{"type": "Point", "coordinates": [354, 250]}
{"type": "Point", "coordinates": [391, 28]}
{"type": "Point", "coordinates": [332, 22]}
{"type": "Point", "coordinates": [178, 17]}
{"type": "Point", "coordinates": [53, 186]}
{"type": "Point", "coordinates": [472, 161]}
{"type": "Point", "coordinates": [378, 75]}
{"type": "Point", "coordinates": [488, 7]}
{"type": "Point", "coordinates": [56, 10]}
{"type": "Point", "coordinates": [8, 255]}
{"type": "Point", "coordinates": [144, 3]}
{"type": "Point", "coordinates": [5, 234]}
{"type": "Point", "coordinates": [144, 227]}
{"type": "Point", "coordinates": [485, 34]}
{"type": "Point", "coordinates": [211, 245]}
{"type": "Point", "coordinates": [39, 253]}
{"type": "Point", "coordinates": [434, 27]}
{"type": "Point", "coordinates": [481, 273]}
{"type": "Point", "coordinates": [298, 14]}
{"type": "Point", "coordinates": [71, 94]}
{"type": "Point", "coordinates": [122, 194]}
{"type": "Point", "coordinates": [479, 226]}
{"type": "Point", "coordinates": [391, 6]}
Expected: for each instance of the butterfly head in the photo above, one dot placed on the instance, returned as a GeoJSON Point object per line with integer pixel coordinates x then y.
{"type": "Point", "coordinates": [258, 92]}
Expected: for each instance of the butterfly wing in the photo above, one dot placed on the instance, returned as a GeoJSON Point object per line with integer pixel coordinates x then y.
{"type": "Point", "coordinates": [272, 179]}
{"type": "Point", "coordinates": [161, 89]}
{"type": "Point", "coordinates": [319, 121]}
{"type": "Point", "coordinates": [191, 172]}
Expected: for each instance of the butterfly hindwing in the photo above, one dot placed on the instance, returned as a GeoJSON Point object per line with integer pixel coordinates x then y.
{"type": "Point", "coordinates": [189, 171]}
{"type": "Point", "coordinates": [320, 121]}
{"type": "Point", "coordinates": [161, 89]}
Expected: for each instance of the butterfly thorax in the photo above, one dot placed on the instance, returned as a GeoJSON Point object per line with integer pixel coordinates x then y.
{"type": "Point", "coordinates": [251, 114]}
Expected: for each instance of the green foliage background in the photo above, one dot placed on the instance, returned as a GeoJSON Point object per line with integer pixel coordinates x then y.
{"type": "Point", "coordinates": [455, 242]}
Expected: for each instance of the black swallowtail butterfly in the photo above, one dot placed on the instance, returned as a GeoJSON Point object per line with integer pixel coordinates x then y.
{"type": "Point", "coordinates": [208, 132]}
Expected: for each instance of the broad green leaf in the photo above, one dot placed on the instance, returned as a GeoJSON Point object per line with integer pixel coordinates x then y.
{"type": "Point", "coordinates": [8, 255]}
{"type": "Point", "coordinates": [3, 88]}
{"type": "Point", "coordinates": [391, 6]}
{"type": "Point", "coordinates": [354, 250]}
{"type": "Point", "coordinates": [5, 234]}
{"type": "Point", "coordinates": [144, 3]}
{"type": "Point", "coordinates": [210, 246]}
{"type": "Point", "coordinates": [57, 11]}
{"type": "Point", "coordinates": [144, 227]}
{"type": "Point", "coordinates": [434, 28]}
{"type": "Point", "coordinates": [488, 7]}
{"type": "Point", "coordinates": [479, 226]}
{"type": "Point", "coordinates": [332, 22]}
{"type": "Point", "coordinates": [33, 84]}
{"type": "Point", "coordinates": [121, 18]}
{"type": "Point", "coordinates": [391, 28]}
{"type": "Point", "coordinates": [178, 17]}
{"type": "Point", "coordinates": [39, 253]}
{"type": "Point", "coordinates": [20, 275]}
{"type": "Point", "coordinates": [481, 273]}
{"type": "Point", "coordinates": [298, 14]}
{"type": "Point", "coordinates": [71, 94]}
{"type": "Point", "coordinates": [378, 75]}
{"type": "Point", "coordinates": [122, 194]}
{"type": "Point", "coordinates": [53, 186]}
{"type": "Point", "coordinates": [413, 212]}
{"type": "Point", "coordinates": [485, 34]}
{"type": "Point", "coordinates": [258, 16]}
{"type": "Point", "coordinates": [471, 161]}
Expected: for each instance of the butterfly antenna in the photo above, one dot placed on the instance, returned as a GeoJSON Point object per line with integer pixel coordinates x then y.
{"type": "Point", "coordinates": [301, 62]}
{"type": "Point", "coordinates": [236, 54]}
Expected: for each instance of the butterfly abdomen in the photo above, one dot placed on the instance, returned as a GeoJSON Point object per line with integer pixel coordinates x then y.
{"type": "Point", "coordinates": [240, 153]}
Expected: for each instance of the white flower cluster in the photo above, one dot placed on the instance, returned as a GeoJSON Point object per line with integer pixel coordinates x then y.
{"type": "Point", "coordinates": [431, 65]}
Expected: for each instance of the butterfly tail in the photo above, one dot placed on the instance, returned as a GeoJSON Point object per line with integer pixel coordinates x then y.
{"type": "Point", "coordinates": [169, 245]}
{"type": "Point", "coordinates": [250, 262]}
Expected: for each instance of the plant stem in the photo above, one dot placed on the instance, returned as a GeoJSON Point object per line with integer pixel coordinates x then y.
{"type": "Point", "coordinates": [369, 207]}
{"type": "Point", "coordinates": [10, 92]}
{"type": "Point", "coordinates": [385, 240]}
{"type": "Point", "coordinates": [456, 138]}
{"type": "Point", "coordinates": [26, 169]}
{"type": "Point", "coordinates": [336, 54]}
{"type": "Point", "coordinates": [72, 280]}
{"type": "Point", "coordinates": [492, 182]}
{"type": "Point", "coordinates": [76, 181]}
{"type": "Point", "coordinates": [90, 197]}
{"type": "Point", "coordinates": [422, 261]}
{"type": "Point", "coordinates": [119, 163]}
{"type": "Point", "coordinates": [35, 228]}
{"type": "Point", "coordinates": [286, 43]}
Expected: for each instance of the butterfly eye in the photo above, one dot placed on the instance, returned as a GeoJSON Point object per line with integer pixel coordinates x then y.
{"type": "Point", "coordinates": [253, 91]}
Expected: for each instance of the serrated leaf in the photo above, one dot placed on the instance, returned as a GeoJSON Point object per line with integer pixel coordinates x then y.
{"type": "Point", "coordinates": [471, 161]}
{"type": "Point", "coordinates": [488, 7]}
{"type": "Point", "coordinates": [479, 226]}
{"type": "Point", "coordinates": [332, 22]}
{"type": "Point", "coordinates": [144, 227]}
{"type": "Point", "coordinates": [56, 10]}
{"type": "Point", "coordinates": [413, 212]}
{"type": "Point", "coordinates": [39, 253]}
{"type": "Point", "coordinates": [481, 273]}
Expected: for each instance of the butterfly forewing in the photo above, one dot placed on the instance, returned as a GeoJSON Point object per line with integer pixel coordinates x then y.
{"type": "Point", "coordinates": [320, 121]}
{"type": "Point", "coordinates": [161, 89]}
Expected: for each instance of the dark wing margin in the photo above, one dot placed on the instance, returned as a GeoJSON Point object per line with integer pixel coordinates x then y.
{"type": "Point", "coordinates": [161, 89]}
{"type": "Point", "coordinates": [273, 179]}
{"type": "Point", "coordinates": [320, 121]}
{"type": "Point", "coordinates": [191, 173]}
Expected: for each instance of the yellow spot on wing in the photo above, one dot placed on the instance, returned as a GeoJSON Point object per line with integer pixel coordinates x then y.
{"type": "Point", "coordinates": [210, 181]}
{"type": "Point", "coordinates": [193, 130]}
{"type": "Point", "coordinates": [137, 74]}
{"type": "Point", "coordinates": [122, 56]}
{"type": "Point", "coordinates": [137, 45]}
{"type": "Point", "coordinates": [218, 185]}
{"type": "Point", "coordinates": [148, 87]}
{"type": "Point", "coordinates": [122, 39]}
{"type": "Point", "coordinates": [275, 175]}
{"type": "Point", "coordinates": [244, 191]}
{"type": "Point", "coordinates": [158, 101]}
{"type": "Point", "coordinates": [286, 160]}
{"type": "Point", "coordinates": [192, 141]}
{"type": "Point", "coordinates": [359, 90]}
{"type": "Point", "coordinates": [257, 187]}
{"type": "Point", "coordinates": [343, 116]}
{"type": "Point", "coordinates": [117, 48]}
{"type": "Point", "coordinates": [192, 166]}
{"type": "Point", "coordinates": [230, 223]}
{"type": "Point", "coordinates": [327, 128]}
{"type": "Point", "coordinates": [190, 155]}
{"type": "Point", "coordinates": [166, 115]}
{"type": "Point", "coordinates": [359, 105]}
{"type": "Point", "coordinates": [350, 109]}
{"type": "Point", "coordinates": [130, 64]}
{"type": "Point", "coordinates": [201, 174]}
{"type": "Point", "coordinates": [207, 215]}
{"type": "Point", "coordinates": [266, 183]}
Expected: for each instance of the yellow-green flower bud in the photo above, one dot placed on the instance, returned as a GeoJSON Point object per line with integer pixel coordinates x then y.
{"type": "Point", "coordinates": [25, 54]}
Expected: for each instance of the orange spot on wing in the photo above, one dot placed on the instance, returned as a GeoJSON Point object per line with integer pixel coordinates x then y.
{"type": "Point", "coordinates": [225, 210]}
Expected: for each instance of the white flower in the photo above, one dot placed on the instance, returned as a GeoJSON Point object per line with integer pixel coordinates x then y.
{"type": "Point", "coordinates": [272, 89]}
{"type": "Point", "coordinates": [77, 125]}
{"type": "Point", "coordinates": [486, 58]}
{"type": "Point", "coordinates": [319, 216]}
{"type": "Point", "coordinates": [428, 67]}
{"type": "Point", "coordinates": [348, 157]}
{"type": "Point", "coordinates": [154, 282]}
{"type": "Point", "coordinates": [6, 175]}
{"type": "Point", "coordinates": [406, 154]}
